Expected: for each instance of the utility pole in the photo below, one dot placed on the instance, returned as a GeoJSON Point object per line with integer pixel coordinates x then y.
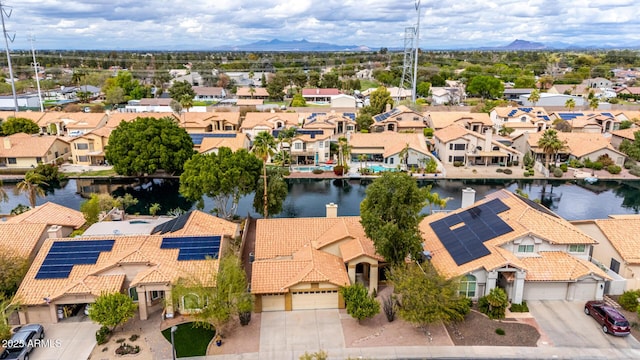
{"type": "Point", "coordinates": [6, 47]}
{"type": "Point", "coordinates": [415, 58]}
{"type": "Point", "coordinates": [35, 68]}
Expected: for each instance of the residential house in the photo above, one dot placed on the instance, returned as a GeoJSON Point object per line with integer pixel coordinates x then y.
{"type": "Point", "coordinates": [552, 99]}
{"type": "Point", "coordinates": [209, 121]}
{"type": "Point", "coordinates": [31, 115]}
{"type": "Point", "coordinates": [588, 122]}
{"type": "Point", "coordinates": [192, 77]}
{"type": "Point", "coordinates": [25, 101]}
{"type": "Point", "coordinates": [399, 119]}
{"type": "Point", "coordinates": [211, 142]}
{"type": "Point", "coordinates": [307, 268]}
{"type": "Point", "coordinates": [71, 124]}
{"type": "Point", "coordinates": [387, 147]}
{"type": "Point", "coordinates": [144, 266]}
{"type": "Point", "coordinates": [618, 248]}
{"type": "Point", "coordinates": [162, 105]}
{"type": "Point", "coordinates": [629, 91]}
{"type": "Point", "coordinates": [209, 93]}
{"type": "Point", "coordinates": [628, 115]}
{"type": "Point", "coordinates": [116, 118]}
{"type": "Point", "coordinates": [27, 151]}
{"type": "Point", "coordinates": [581, 90]}
{"type": "Point", "coordinates": [256, 122]}
{"type": "Point", "coordinates": [319, 96]}
{"type": "Point", "coordinates": [456, 144]}
{"type": "Point", "coordinates": [618, 136]}
{"type": "Point", "coordinates": [22, 240]}
{"type": "Point", "coordinates": [336, 123]}
{"type": "Point", "coordinates": [579, 146]}
{"type": "Point", "coordinates": [89, 149]}
{"type": "Point", "coordinates": [513, 94]}
{"type": "Point", "coordinates": [522, 119]}
{"type": "Point", "coordinates": [250, 92]}
{"type": "Point", "coordinates": [344, 101]}
{"type": "Point", "coordinates": [60, 220]}
{"type": "Point", "coordinates": [477, 122]}
{"type": "Point", "coordinates": [513, 243]}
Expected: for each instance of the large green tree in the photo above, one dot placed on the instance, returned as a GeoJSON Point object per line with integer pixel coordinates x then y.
{"type": "Point", "coordinates": [425, 296]}
{"type": "Point", "coordinates": [487, 87]}
{"type": "Point", "coordinates": [19, 125]}
{"type": "Point", "coordinates": [225, 177]}
{"type": "Point", "coordinates": [390, 215]}
{"type": "Point", "coordinates": [550, 144]}
{"type": "Point", "coordinates": [277, 190]}
{"type": "Point", "coordinates": [264, 146]}
{"type": "Point", "coordinates": [378, 100]}
{"type": "Point", "coordinates": [113, 309]}
{"type": "Point", "coordinates": [632, 148]}
{"type": "Point", "coordinates": [146, 145]}
{"type": "Point", "coordinates": [181, 90]}
{"type": "Point", "coordinates": [12, 270]}
{"type": "Point", "coordinates": [123, 87]}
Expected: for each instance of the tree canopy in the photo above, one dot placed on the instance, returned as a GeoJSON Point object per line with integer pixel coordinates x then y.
{"type": "Point", "coordinates": [225, 177]}
{"type": "Point", "coordinates": [277, 190]}
{"type": "Point", "coordinates": [19, 125]}
{"type": "Point", "coordinates": [487, 87]}
{"type": "Point", "coordinates": [550, 144]}
{"type": "Point", "coordinates": [379, 99]}
{"type": "Point", "coordinates": [123, 87]}
{"type": "Point", "coordinates": [146, 145]}
{"type": "Point", "coordinates": [181, 88]}
{"type": "Point", "coordinates": [112, 309]}
{"type": "Point", "coordinates": [390, 215]}
{"type": "Point", "coordinates": [632, 148]}
{"type": "Point", "coordinates": [12, 270]}
{"type": "Point", "coordinates": [425, 296]}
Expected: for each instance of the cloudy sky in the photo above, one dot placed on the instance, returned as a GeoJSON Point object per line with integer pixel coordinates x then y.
{"type": "Point", "coordinates": [208, 24]}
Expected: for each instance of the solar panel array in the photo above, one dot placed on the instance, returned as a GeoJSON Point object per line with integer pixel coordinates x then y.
{"type": "Point", "coordinates": [544, 117]}
{"type": "Point", "coordinates": [193, 247]}
{"type": "Point", "coordinates": [172, 225]}
{"type": "Point", "coordinates": [512, 112]}
{"type": "Point", "coordinates": [351, 116]}
{"type": "Point", "coordinates": [479, 224]}
{"type": "Point", "coordinates": [607, 114]}
{"type": "Point", "coordinates": [386, 115]}
{"type": "Point", "coordinates": [569, 116]}
{"type": "Point", "coordinates": [197, 138]}
{"type": "Point", "coordinates": [526, 109]}
{"type": "Point", "coordinates": [63, 255]}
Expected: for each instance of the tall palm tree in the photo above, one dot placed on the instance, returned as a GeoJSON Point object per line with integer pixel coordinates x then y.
{"type": "Point", "coordinates": [594, 102]}
{"type": "Point", "coordinates": [32, 187]}
{"type": "Point", "coordinates": [550, 144]}
{"type": "Point", "coordinates": [570, 104]}
{"type": "Point", "coordinates": [186, 101]}
{"type": "Point", "coordinates": [404, 155]}
{"type": "Point", "coordinates": [434, 199]}
{"type": "Point", "coordinates": [344, 151]}
{"type": "Point", "coordinates": [3, 193]}
{"type": "Point", "coordinates": [286, 135]}
{"type": "Point", "coordinates": [534, 97]}
{"type": "Point", "coordinates": [264, 146]}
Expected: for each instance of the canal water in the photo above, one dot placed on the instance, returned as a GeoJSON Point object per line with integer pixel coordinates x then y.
{"type": "Point", "coordinates": [572, 200]}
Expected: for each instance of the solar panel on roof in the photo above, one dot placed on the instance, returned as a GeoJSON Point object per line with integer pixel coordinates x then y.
{"type": "Point", "coordinates": [172, 225]}
{"type": "Point", "coordinates": [512, 112]}
{"type": "Point", "coordinates": [480, 223]}
{"type": "Point", "coordinates": [193, 247]}
{"type": "Point", "coordinates": [63, 255]}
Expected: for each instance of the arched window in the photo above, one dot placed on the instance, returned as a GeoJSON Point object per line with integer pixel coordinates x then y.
{"type": "Point", "coordinates": [191, 302]}
{"type": "Point", "coordinates": [468, 286]}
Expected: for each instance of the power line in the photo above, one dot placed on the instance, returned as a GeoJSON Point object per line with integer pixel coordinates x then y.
{"type": "Point", "coordinates": [6, 44]}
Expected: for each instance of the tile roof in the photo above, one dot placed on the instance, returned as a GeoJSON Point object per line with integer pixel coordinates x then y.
{"type": "Point", "coordinates": [51, 214]}
{"type": "Point", "coordinates": [456, 131]}
{"type": "Point", "coordinates": [441, 119]}
{"type": "Point", "coordinates": [390, 142]}
{"type": "Point", "coordinates": [524, 220]}
{"type": "Point", "coordinates": [258, 91]}
{"type": "Point", "coordinates": [249, 102]}
{"type": "Point", "coordinates": [21, 239]}
{"type": "Point", "coordinates": [320, 92]}
{"type": "Point", "coordinates": [208, 90]}
{"type": "Point", "coordinates": [511, 112]}
{"type": "Point", "coordinates": [626, 133]}
{"type": "Point", "coordinates": [80, 120]}
{"type": "Point", "coordinates": [578, 144]}
{"type": "Point", "coordinates": [559, 266]}
{"type": "Point", "coordinates": [622, 233]}
{"type": "Point", "coordinates": [253, 119]}
{"type": "Point", "coordinates": [235, 143]}
{"type": "Point", "coordinates": [116, 118]}
{"type": "Point", "coordinates": [25, 145]}
{"type": "Point", "coordinates": [31, 115]}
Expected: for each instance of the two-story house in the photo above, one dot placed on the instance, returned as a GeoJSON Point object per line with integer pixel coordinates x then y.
{"type": "Point", "coordinates": [399, 119]}
{"type": "Point", "coordinates": [456, 144]}
{"type": "Point", "coordinates": [27, 151]}
{"type": "Point", "coordinates": [521, 119]}
{"type": "Point", "coordinates": [477, 122]}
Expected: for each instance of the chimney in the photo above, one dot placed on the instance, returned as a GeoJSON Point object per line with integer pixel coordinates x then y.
{"type": "Point", "coordinates": [332, 210]}
{"type": "Point", "coordinates": [387, 108]}
{"type": "Point", "coordinates": [488, 135]}
{"type": "Point", "coordinates": [7, 143]}
{"type": "Point", "coordinates": [468, 197]}
{"type": "Point", "coordinates": [54, 232]}
{"type": "Point", "coordinates": [317, 91]}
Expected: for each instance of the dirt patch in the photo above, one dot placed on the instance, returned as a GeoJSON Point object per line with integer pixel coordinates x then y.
{"type": "Point", "coordinates": [478, 330]}
{"type": "Point", "coordinates": [241, 339]}
{"type": "Point", "coordinates": [99, 352]}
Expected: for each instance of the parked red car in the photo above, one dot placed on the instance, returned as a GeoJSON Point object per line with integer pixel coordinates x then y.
{"type": "Point", "coordinates": [611, 320]}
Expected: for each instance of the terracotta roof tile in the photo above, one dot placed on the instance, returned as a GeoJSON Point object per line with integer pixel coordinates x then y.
{"type": "Point", "coordinates": [235, 143]}
{"type": "Point", "coordinates": [389, 142]}
{"type": "Point", "coordinates": [25, 145]}
{"type": "Point", "coordinates": [269, 119]}
{"type": "Point", "coordinates": [442, 119]}
{"type": "Point", "coordinates": [622, 233]}
{"type": "Point", "coordinates": [578, 144]}
{"type": "Point", "coordinates": [21, 239]}
{"type": "Point", "coordinates": [559, 266]}
{"type": "Point", "coordinates": [51, 214]}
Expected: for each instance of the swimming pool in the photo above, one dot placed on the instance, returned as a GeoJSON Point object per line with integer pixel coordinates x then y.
{"type": "Point", "coordinates": [380, 168]}
{"type": "Point", "coordinates": [311, 168]}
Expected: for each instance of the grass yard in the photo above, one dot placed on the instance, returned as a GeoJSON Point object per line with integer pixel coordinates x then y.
{"type": "Point", "coordinates": [190, 340]}
{"type": "Point", "coordinates": [107, 172]}
{"type": "Point", "coordinates": [366, 84]}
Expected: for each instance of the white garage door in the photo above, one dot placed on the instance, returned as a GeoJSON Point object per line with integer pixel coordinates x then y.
{"type": "Point", "coordinates": [583, 290]}
{"type": "Point", "coordinates": [272, 302]}
{"type": "Point", "coordinates": [545, 291]}
{"type": "Point", "coordinates": [309, 300]}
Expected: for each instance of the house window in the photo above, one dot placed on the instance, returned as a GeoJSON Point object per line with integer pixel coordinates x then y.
{"type": "Point", "coordinates": [38, 160]}
{"type": "Point", "coordinates": [297, 146]}
{"type": "Point", "coordinates": [12, 160]}
{"type": "Point", "coordinates": [191, 302]}
{"type": "Point", "coordinates": [615, 266]}
{"type": "Point", "coordinates": [450, 158]}
{"type": "Point", "coordinates": [133, 293]}
{"type": "Point", "coordinates": [83, 159]}
{"type": "Point", "coordinates": [458, 158]}
{"type": "Point", "coordinates": [321, 146]}
{"type": "Point", "coordinates": [390, 160]}
{"type": "Point", "coordinates": [155, 295]}
{"type": "Point", "coordinates": [577, 248]}
{"type": "Point", "coordinates": [468, 286]}
{"type": "Point", "coordinates": [459, 146]}
{"type": "Point", "coordinates": [82, 146]}
{"type": "Point", "coordinates": [525, 248]}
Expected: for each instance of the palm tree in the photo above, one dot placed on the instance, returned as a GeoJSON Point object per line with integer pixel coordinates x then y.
{"type": "Point", "coordinates": [534, 97]}
{"type": "Point", "coordinates": [286, 135]}
{"type": "Point", "coordinates": [153, 210]}
{"type": "Point", "coordinates": [264, 146]}
{"type": "Point", "coordinates": [32, 187]}
{"type": "Point", "coordinates": [344, 151]}
{"type": "Point", "coordinates": [186, 101]}
{"type": "Point", "coordinates": [404, 155]}
{"type": "Point", "coordinates": [570, 104]}
{"type": "Point", "coordinates": [362, 158]}
{"type": "Point", "coordinates": [3, 194]}
{"type": "Point", "coordinates": [434, 199]}
{"type": "Point", "coordinates": [550, 144]}
{"type": "Point", "coordinates": [594, 103]}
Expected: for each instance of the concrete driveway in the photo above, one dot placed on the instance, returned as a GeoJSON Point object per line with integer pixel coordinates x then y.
{"type": "Point", "coordinates": [566, 324]}
{"type": "Point", "coordinates": [67, 340]}
{"type": "Point", "coordinates": [294, 332]}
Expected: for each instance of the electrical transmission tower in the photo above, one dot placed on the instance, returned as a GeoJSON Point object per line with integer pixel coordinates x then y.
{"type": "Point", "coordinates": [35, 69]}
{"type": "Point", "coordinates": [4, 13]}
{"type": "Point", "coordinates": [407, 65]}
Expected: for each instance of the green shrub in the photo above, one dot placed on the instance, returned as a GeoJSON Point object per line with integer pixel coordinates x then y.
{"type": "Point", "coordinates": [526, 174]}
{"type": "Point", "coordinates": [509, 163]}
{"type": "Point", "coordinates": [317, 171]}
{"type": "Point", "coordinates": [614, 169]}
{"type": "Point", "coordinates": [508, 171]}
{"type": "Point", "coordinates": [629, 300]}
{"type": "Point", "coordinates": [557, 172]}
{"type": "Point", "coordinates": [564, 167]}
{"type": "Point", "coordinates": [495, 304]}
{"type": "Point", "coordinates": [576, 164]}
{"type": "Point", "coordinates": [458, 163]}
{"type": "Point", "coordinates": [428, 132]}
{"type": "Point", "coordinates": [519, 307]}
{"type": "Point", "coordinates": [635, 170]}
{"type": "Point", "coordinates": [499, 170]}
{"type": "Point", "coordinates": [605, 160]}
{"type": "Point", "coordinates": [516, 162]}
{"type": "Point", "coordinates": [628, 164]}
{"type": "Point", "coordinates": [102, 335]}
{"type": "Point", "coordinates": [597, 165]}
{"type": "Point", "coordinates": [500, 331]}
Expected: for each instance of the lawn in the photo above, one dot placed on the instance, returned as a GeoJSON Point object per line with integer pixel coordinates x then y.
{"type": "Point", "coordinates": [108, 172]}
{"type": "Point", "coordinates": [190, 340]}
{"type": "Point", "coordinates": [366, 84]}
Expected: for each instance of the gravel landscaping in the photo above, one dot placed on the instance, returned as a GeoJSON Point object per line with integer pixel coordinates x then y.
{"type": "Point", "coordinates": [478, 330]}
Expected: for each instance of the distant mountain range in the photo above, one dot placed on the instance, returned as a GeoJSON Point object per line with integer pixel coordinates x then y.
{"type": "Point", "coordinates": [294, 45]}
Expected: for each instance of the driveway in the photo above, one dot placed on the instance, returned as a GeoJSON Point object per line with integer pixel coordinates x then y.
{"type": "Point", "coordinates": [68, 340]}
{"type": "Point", "coordinates": [566, 324]}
